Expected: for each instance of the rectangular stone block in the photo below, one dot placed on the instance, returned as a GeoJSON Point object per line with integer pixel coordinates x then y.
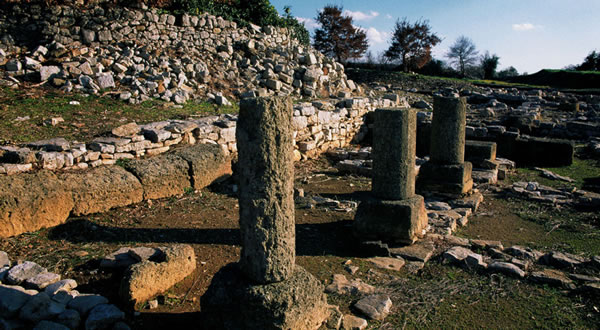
{"type": "Point", "coordinates": [480, 150]}
{"type": "Point", "coordinates": [391, 221]}
{"type": "Point", "coordinates": [451, 179]}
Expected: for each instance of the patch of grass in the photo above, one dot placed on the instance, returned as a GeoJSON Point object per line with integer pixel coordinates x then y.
{"type": "Point", "coordinates": [582, 171]}
{"type": "Point", "coordinates": [93, 116]}
{"type": "Point", "coordinates": [446, 297]}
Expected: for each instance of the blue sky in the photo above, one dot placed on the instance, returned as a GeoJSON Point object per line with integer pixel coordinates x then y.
{"type": "Point", "coordinates": [527, 34]}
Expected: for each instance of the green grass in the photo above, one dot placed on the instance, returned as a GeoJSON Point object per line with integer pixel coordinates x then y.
{"type": "Point", "coordinates": [446, 297]}
{"type": "Point", "coordinates": [580, 170]}
{"type": "Point", "coordinates": [94, 116]}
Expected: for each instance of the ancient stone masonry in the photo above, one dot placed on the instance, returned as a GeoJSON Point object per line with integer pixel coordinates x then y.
{"type": "Point", "coordinates": [31, 297]}
{"type": "Point", "coordinates": [446, 171]}
{"type": "Point", "coordinates": [395, 214]}
{"type": "Point", "coordinates": [144, 53]}
{"type": "Point", "coordinates": [318, 126]}
{"type": "Point", "coordinates": [265, 290]}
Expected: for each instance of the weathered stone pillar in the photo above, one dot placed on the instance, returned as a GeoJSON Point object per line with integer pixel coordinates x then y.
{"type": "Point", "coordinates": [394, 213]}
{"type": "Point", "coordinates": [448, 130]}
{"type": "Point", "coordinates": [265, 290]}
{"type": "Point", "coordinates": [394, 146]}
{"type": "Point", "coordinates": [446, 172]}
{"type": "Point", "coordinates": [266, 189]}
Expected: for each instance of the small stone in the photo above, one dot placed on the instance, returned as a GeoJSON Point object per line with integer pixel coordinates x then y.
{"type": "Point", "coordinates": [486, 244]}
{"type": "Point", "coordinates": [506, 268]}
{"type": "Point", "coordinates": [69, 318]}
{"type": "Point", "coordinates": [23, 272]}
{"type": "Point", "coordinates": [153, 304]}
{"type": "Point", "coordinates": [334, 321]}
{"type": "Point", "coordinates": [388, 263]}
{"type": "Point", "coordinates": [40, 307]}
{"type": "Point", "coordinates": [103, 316]}
{"type": "Point", "coordinates": [375, 307]}
{"type": "Point", "coordinates": [42, 280]}
{"type": "Point", "coordinates": [351, 322]}
{"type": "Point", "coordinates": [521, 252]}
{"type": "Point", "coordinates": [552, 277]}
{"type": "Point", "coordinates": [84, 303]}
{"type": "Point", "coordinates": [563, 260]}
{"type": "Point", "coordinates": [420, 251]}
{"type": "Point", "coordinates": [341, 285]}
{"type": "Point", "coordinates": [12, 298]}
{"type": "Point", "coordinates": [63, 285]}
{"type": "Point", "coordinates": [438, 206]}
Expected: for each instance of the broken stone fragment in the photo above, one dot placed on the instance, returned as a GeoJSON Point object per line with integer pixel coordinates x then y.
{"type": "Point", "coordinates": [375, 307]}
{"type": "Point", "coordinates": [351, 322]}
{"type": "Point", "coordinates": [146, 279]}
{"type": "Point", "coordinates": [23, 272]}
{"type": "Point", "coordinates": [341, 285]}
{"type": "Point", "coordinates": [506, 268]}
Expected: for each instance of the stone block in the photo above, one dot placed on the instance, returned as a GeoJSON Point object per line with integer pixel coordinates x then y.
{"type": "Point", "coordinates": [163, 176]}
{"type": "Point", "coordinates": [101, 189]}
{"type": "Point", "coordinates": [29, 202]}
{"type": "Point", "coordinates": [452, 179]}
{"type": "Point", "coordinates": [208, 163]}
{"type": "Point", "coordinates": [391, 221]}
{"type": "Point", "coordinates": [146, 279]}
{"type": "Point", "coordinates": [480, 150]}
{"type": "Point", "coordinates": [234, 302]}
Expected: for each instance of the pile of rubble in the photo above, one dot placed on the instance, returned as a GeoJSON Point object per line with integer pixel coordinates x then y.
{"type": "Point", "coordinates": [142, 53]}
{"type": "Point", "coordinates": [32, 297]}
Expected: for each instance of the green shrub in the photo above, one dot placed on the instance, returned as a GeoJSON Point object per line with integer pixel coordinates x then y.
{"type": "Point", "coordinates": [259, 12]}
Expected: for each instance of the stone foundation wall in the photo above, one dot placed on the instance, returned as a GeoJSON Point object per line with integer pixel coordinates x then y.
{"type": "Point", "coordinates": [318, 127]}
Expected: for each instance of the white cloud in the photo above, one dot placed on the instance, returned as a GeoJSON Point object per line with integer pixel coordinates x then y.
{"type": "Point", "coordinates": [309, 23]}
{"type": "Point", "coordinates": [525, 27]}
{"type": "Point", "coordinates": [360, 16]}
{"type": "Point", "coordinates": [375, 36]}
{"type": "Point", "coordinates": [388, 16]}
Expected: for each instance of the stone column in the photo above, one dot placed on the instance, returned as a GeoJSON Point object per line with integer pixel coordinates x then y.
{"type": "Point", "coordinates": [448, 130]}
{"type": "Point", "coordinates": [446, 172]}
{"type": "Point", "coordinates": [394, 145]}
{"type": "Point", "coordinates": [393, 213]}
{"type": "Point", "coordinates": [265, 290]}
{"type": "Point", "coordinates": [266, 191]}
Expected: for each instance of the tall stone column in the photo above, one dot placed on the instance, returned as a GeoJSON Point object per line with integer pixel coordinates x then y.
{"type": "Point", "coordinates": [265, 290]}
{"type": "Point", "coordinates": [446, 171]}
{"type": "Point", "coordinates": [394, 213]}
{"type": "Point", "coordinates": [448, 130]}
{"type": "Point", "coordinates": [266, 189]}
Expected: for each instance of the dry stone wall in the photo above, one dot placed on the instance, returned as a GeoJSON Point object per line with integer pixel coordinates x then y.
{"type": "Point", "coordinates": [318, 126]}
{"type": "Point", "coordinates": [145, 53]}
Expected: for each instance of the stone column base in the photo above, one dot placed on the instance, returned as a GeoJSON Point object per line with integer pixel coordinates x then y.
{"type": "Point", "coordinates": [233, 302]}
{"type": "Point", "coordinates": [445, 179]}
{"type": "Point", "coordinates": [391, 221]}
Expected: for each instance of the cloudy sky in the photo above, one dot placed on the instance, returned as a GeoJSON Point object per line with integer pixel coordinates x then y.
{"type": "Point", "coordinates": [528, 34]}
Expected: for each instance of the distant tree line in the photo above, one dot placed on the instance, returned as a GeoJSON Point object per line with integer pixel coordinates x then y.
{"type": "Point", "coordinates": [409, 50]}
{"type": "Point", "coordinates": [590, 63]}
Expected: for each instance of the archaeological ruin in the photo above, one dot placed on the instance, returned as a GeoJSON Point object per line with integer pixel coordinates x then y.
{"type": "Point", "coordinates": [289, 190]}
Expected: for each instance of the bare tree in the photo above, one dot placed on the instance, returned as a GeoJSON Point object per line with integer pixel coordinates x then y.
{"type": "Point", "coordinates": [462, 54]}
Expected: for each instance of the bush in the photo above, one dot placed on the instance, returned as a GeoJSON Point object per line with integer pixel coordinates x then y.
{"type": "Point", "coordinates": [259, 12]}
